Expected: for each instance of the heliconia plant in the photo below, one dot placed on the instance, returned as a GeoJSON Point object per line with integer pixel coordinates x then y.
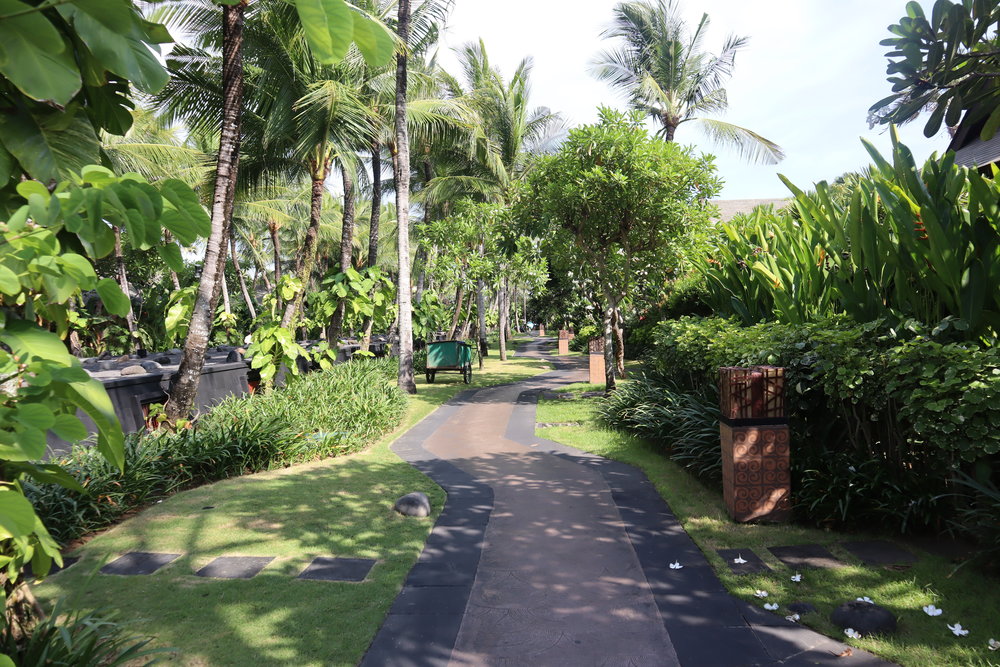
{"type": "Point", "coordinates": [911, 242]}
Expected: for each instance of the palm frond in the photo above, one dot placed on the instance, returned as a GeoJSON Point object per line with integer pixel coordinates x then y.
{"type": "Point", "coordinates": [750, 145]}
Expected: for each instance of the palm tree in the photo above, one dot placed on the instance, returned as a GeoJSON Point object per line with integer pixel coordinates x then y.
{"type": "Point", "coordinates": [200, 328]}
{"type": "Point", "coordinates": [662, 68]}
{"type": "Point", "coordinates": [401, 159]}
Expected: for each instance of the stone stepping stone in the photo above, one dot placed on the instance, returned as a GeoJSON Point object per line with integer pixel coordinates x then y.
{"type": "Point", "coordinates": [234, 567]}
{"type": "Point", "coordinates": [879, 552]}
{"type": "Point", "coordinates": [325, 568]}
{"type": "Point", "coordinates": [139, 562]}
{"type": "Point", "coordinates": [806, 556]}
{"type": "Point", "coordinates": [753, 563]}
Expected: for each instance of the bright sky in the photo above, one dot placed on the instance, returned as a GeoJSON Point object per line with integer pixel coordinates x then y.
{"type": "Point", "coordinates": [806, 79]}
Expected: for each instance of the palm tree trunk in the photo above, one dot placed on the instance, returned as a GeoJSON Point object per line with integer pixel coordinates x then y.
{"type": "Point", "coordinates": [346, 253]}
{"type": "Point", "coordinates": [503, 306]}
{"type": "Point", "coordinates": [307, 257]}
{"type": "Point", "coordinates": [123, 284]}
{"type": "Point", "coordinates": [402, 164]}
{"type": "Point", "coordinates": [188, 376]}
{"type": "Point", "coordinates": [242, 279]}
{"type": "Point", "coordinates": [484, 348]}
{"type": "Point", "coordinates": [167, 238]}
{"type": "Point", "coordinates": [274, 228]}
{"type": "Point", "coordinates": [373, 229]}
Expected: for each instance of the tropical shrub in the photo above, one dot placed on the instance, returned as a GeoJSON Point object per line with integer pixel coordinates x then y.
{"type": "Point", "coordinates": [910, 243]}
{"type": "Point", "coordinates": [883, 418]}
{"type": "Point", "coordinates": [325, 413]}
{"type": "Point", "coordinates": [587, 333]}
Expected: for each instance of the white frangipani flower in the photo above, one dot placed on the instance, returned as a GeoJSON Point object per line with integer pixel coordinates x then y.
{"type": "Point", "coordinates": [852, 633]}
{"type": "Point", "coordinates": [794, 618]}
{"type": "Point", "coordinates": [760, 594]}
{"type": "Point", "coordinates": [958, 630]}
{"type": "Point", "coordinates": [993, 645]}
{"type": "Point", "coordinates": [676, 565]}
{"type": "Point", "coordinates": [739, 560]}
{"type": "Point", "coordinates": [931, 610]}
{"type": "Point", "coordinates": [796, 577]}
{"type": "Point", "coordinates": [771, 606]}
{"type": "Point", "coordinates": [866, 599]}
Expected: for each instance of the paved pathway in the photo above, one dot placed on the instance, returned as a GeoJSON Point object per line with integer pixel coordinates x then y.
{"type": "Point", "coordinates": [545, 555]}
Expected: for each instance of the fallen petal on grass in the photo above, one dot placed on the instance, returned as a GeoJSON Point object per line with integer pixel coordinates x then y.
{"type": "Point", "coordinates": [771, 606]}
{"type": "Point", "coordinates": [760, 594]}
{"type": "Point", "coordinates": [796, 577]}
{"type": "Point", "coordinates": [993, 645]}
{"type": "Point", "coordinates": [958, 630]}
{"type": "Point", "coordinates": [794, 618]}
{"type": "Point", "coordinates": [931, 610]}
{"type": "Point", "coordinates": [852, 633]}
{"type": "Point", "coordinates": [866, 599]}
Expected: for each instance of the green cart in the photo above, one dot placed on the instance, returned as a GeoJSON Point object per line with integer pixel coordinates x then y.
{"type": "Point", "coordinates": [449, 355]}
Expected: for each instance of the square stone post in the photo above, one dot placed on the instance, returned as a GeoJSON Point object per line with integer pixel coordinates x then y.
{"type": "Point", "coordinates": [541, 329]}
{"type": "Point", "coordinates": [563, 342]}
{"type": "Point", "coordinates": [756, 478]}
{"type": "Point", "coordinates": [597, 361]}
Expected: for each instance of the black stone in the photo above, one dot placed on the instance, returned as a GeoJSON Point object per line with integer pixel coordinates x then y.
{"type": "Point", "coordinates": [879, 552]}
{"type": "Point", "coordinates": [753, 563]}
{"type": "Point", "coordinates": [235, 567]}
{"type": "Point", "coordinates": [234, 356]}
{"type": "Point", "coordinates": [326, 568]}
{"type": "Point", "coordinates": [413, 504]}
{"type": "Point", "coordinates": [208, 507]}
{"type": "Point", "coordinates": [801, 607]}
{"type": "Point", "coordinates": [139, 562]}
{"type": "Point", "coordinates": [806, 556]}
{"type": "Point", "coordinates": [864, 617]}
{"type": "Point", "coordinates": [68, 562]}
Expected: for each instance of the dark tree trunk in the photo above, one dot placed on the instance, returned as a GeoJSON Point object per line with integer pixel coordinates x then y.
{"type": "Point", "coordinates": [484, 348]}
{"type": "Point", "coordinates": [609, 354]}
{"type": "Point", "coordinates": [168, 238]}
{"type": "Point", "coordinates": [619, 331]}
{"type": "Point", "coordinates": [307, 257]}
{"type": "Point", "coordinates": [185, 388]}
{"type": "Point", "coordinates": [274, 229]}
{"type": "Point", "coordinates": [402, 164]}
{"type": "Point", "coordinates": [346, 253]}
{"type": "Point", "coordinates": [459, 294]}
{"type": "Point", "coordinates": [503, 306]}
{"type": "Point", "coordinates": [123, 284]}
{"type": "Point", "coordinates": [239, 274]}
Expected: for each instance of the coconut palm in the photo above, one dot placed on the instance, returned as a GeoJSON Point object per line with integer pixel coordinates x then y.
{"type": "Point", "coordinates": [662, 68]}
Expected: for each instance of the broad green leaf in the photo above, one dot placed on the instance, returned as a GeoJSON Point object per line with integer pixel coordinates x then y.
{"type": "Point", "coordinates": [5, 661]}
{"type": "Point", "coordinates": [49, 145]}
{"type": "Point", "coordinates": [34, 414]}
{"type": "Point", "coordinates": [91, 397]}
{"type": "Point", "coordinates": [47, 473]}
{"type": "Point", "coordinates": [114, 299]}
{"type": "Point", "coordinates": [9, 283]}
{"type": "Point", "coordinates": [329, 28]}
{"type": "Point", "coordinates": [78, 268]}
{"type": "Point", "coordinates": [171, 256]}
{"type": "Point", "coordinates": [186, 218]}
{"type": "Point", "coordinates": [374, 40]}
{"type": "Point", "coordinates": [34, 56]}
{"type": "Point", "coordinates": [69, 428]}
{"type": "Point", "coordinates": [17, 517]}
{"type": "Point", "coordinates": [28, 188]}
{"type": "Point", "coordinates": [97, 175]}
{"type": "Point", "coordinates": [26, 339]}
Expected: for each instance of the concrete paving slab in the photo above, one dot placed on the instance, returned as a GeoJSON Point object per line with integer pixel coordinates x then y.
{"type": "Point", "coordinates": [879, 552]}
{"type": "Point", "coordinates": [806, 557]}
{"type": "Point", "coordinates": [325, 568]}
{"type": "Point", "coordinates": [139, 563]}
{"type": "Point", "coordinates": [234, 567]}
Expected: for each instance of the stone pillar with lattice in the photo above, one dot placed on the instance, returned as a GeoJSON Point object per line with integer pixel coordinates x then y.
{"type": "Point", "coordinates": [597, 361]}
{"type": "Point", "coordinates": [756, 478]}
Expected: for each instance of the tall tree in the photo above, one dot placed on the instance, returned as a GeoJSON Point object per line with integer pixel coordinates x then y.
{"type": "Point", "coordinates": [666, 74]}
{"type": "Point", "coordinates": [402, 168]}
{"type": "Point", "coordinates": [185, 388]}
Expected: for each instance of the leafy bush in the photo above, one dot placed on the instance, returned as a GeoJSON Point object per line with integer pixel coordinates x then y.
{"type": "Point", "coordinates": [321, 414]}
{"type": "Point", "coordinates": [78, 639]}
{"type": "Point", "coordinates": [882, 417]}
{"type": "Point", "coordinates": [685, 423]}
{"type": "Point", "coordinates": [587, 333]}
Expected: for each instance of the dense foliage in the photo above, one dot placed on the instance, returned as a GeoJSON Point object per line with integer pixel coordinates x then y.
{"type": "Point", "coordinates": [883, 418]}
{"type": "Point", "coordinates": [321, 414]}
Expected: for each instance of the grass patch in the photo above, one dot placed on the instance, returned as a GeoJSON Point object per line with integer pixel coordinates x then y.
{"type": "Point", "coordinates": [339, 507]}
{"type": "Point", "coordinates": [966, 596]}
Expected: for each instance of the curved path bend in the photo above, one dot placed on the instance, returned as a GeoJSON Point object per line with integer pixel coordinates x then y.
{"type": "Point", "coordinates": [546, 555]}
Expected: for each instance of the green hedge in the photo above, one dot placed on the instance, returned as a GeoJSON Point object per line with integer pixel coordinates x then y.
{"type": "Point", "coordinates": [321, 414]}
{"type": "Point", "coordinates": [883, 419]}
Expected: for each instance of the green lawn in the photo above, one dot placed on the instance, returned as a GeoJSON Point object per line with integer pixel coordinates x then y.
{"type": "Point", "coordinates": [966, 596]}
{"type": "Point", "coordinates": [336, 507]}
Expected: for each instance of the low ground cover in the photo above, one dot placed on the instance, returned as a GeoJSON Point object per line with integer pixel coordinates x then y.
{"type": "Point", "coordinates": [966, 596]}
{"type": "Point", "coordinates": [334, 507]}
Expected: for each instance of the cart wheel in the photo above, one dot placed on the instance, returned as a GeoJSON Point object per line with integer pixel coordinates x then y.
{"type": "Point", "coordinates": [430, 377]}
{"type": "Point", "coordinates": [467, 372]}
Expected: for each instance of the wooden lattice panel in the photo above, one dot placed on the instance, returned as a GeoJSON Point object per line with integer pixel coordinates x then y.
{"type": "Point", "coordinates": [756, 477]}
{"type": "Point", "coordinates": [754, 393]}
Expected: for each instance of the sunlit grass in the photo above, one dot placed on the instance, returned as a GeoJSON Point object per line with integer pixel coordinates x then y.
{"type": "Point", "coordinates": [336, 507]}
{"type": "Point", "coordinates": [966, 596]}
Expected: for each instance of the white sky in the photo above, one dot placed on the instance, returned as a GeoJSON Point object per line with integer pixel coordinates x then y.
{"type": "Point", "coordinates": [806, 79]}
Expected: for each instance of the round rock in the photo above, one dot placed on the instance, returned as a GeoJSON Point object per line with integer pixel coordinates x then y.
{"type": "Point", "coordinates": [134, 370]}
{"type": "Point", "coordinates": [864, 617]}
{"type": "Point", "coordinates": [413, 504]}
{"type": "Point", "coordinates": [801, 607]}
{"type": "Point", "coordinates": [151, 366]}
